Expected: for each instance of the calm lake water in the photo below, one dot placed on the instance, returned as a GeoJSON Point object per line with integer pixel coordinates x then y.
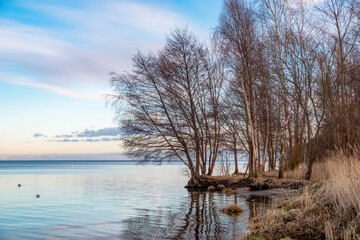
{"type": "Point", "coordinates": [112, 200]}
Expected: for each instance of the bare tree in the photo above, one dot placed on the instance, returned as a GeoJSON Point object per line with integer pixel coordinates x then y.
{"type": "Point", "coordinates": [277, 86]}
{"type": "Point", "coordinates": [343, 32]}
{"type": "Point", "coordinates": [238, 38]}
{"type": "Point", "coordinates": [170, 105]}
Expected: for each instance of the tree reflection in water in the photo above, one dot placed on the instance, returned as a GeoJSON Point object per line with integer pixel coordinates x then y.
{"type": "Point", "coordinates": [258, 205]}
{"type": "Point", "coordinates": [197, 217]}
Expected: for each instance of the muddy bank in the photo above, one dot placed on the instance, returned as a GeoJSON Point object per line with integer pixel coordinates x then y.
{"type": "Point", "coordinates": [238, 181]}
{"type": "Point", "coordinates": [263, 195]}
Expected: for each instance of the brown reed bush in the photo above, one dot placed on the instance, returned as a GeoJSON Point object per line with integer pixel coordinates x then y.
{"type": "Point", "coordinates": [297, 173]}
{"type": "Point", "coordinates": [326, 209]}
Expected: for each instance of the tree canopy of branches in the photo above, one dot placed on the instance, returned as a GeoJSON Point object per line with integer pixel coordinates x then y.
{"type": "Point", "coordinates": [293, 90]}
{"type": "Point", "coordinates": [282, 83]}
{"type": "Point", "coordinates": [171, 104]}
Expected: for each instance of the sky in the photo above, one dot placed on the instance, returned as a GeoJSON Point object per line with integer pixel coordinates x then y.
{"type": "Point", "coordinates": [55, 59]}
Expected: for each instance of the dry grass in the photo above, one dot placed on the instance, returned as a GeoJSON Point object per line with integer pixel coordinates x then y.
{"type": "Point", "coordinates": [223, 177]}
{"type": "Point", "coordinates": [271, 174]}
{"type": "Point", "coordinates": [297, 173]}
{"type": "Point", "coordinates": [232, 210]}
{"type": "Point", "coordinates": [328, 209]}
{"type": "Point", "coordinates": [344, 182]}
{"type": "Point", "coordinates": [211, 188]}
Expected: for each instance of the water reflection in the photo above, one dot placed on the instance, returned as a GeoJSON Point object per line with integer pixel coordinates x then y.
{"type": "Point", "coordinates": [258, 205]}
{"type": "Point", "coordinates": [202, 219]}
{"type": "Point", "coordinates": [93, 201]}
{"type": "Point", "coordinates": [197, 218]}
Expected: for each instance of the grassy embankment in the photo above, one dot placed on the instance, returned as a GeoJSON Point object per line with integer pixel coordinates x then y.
{"type": "Point", "coordinates": [326, 208]}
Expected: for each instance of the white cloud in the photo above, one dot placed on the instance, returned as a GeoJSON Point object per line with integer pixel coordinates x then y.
{"type": "Point", "coordinates": [22, 81]}
{"type": "Point", "coordinates": [91, 41]}
{"type": "Point", "coordinates": [22, 39]}
{"type": "Point", "coordinates": [145, 17]}
{"type": "Point", "coordinates": [35, 52]}
{"type": "Point", "coordinates": [112, 14]}
{"type": "Point", "coordinates": [57, 90]}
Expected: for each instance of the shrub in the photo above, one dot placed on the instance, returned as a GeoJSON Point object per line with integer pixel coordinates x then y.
{"type": "Point", "coordinates": [211, 188]}
{"type": "Point", "coordinates": [232, 210]}
{"type": "Point", "coordinates": [228, 191]}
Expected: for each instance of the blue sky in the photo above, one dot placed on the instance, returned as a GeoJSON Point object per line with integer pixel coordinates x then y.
{"type": "Point", "coordinates": [55, 57]}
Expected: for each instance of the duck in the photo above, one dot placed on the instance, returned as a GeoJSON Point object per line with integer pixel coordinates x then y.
{"type": "Point", "coordinates": [19, 185]}
{"type": "Point", "coordinates": [37, 195]}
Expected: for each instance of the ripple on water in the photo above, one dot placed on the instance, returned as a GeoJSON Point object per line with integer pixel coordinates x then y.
{"type": "Point", "coordinates": [95, 201]}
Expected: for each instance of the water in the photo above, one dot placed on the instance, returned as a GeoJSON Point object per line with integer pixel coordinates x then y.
{"type": "Point", "coordinates": [112, 200]}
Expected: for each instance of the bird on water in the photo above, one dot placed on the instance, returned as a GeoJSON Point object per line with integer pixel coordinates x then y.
{"type": "Point", "coordinates": [37, 195]}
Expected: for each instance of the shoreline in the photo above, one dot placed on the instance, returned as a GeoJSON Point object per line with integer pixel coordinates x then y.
{"type": "Point", "coordinates": [253, 184]}
{"type": "Point", "coordinates": [327, 208]}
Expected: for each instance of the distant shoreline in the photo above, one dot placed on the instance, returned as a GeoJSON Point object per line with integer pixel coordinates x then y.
{"type": "Point", "coordinates": [125, 161]}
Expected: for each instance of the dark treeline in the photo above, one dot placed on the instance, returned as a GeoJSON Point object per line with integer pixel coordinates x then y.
{"type": "Point", "coordinates": [281, 80]}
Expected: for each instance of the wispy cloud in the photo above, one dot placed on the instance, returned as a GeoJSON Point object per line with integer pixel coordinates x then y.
{"type": "Point", "coordinates": [101, 139]}
{"type": "Point", "coordinates": [96, 156]}
{"type": "Point", "coordinates": [92, 40]}
{"type": "Point", "coordinates": [108, 134]}
{"type": "Point", "coordinates": [39, 135]}
{"type": "Point", "coordinates": [70, 140]}
{"type": "Point", "coordinates": [22, 81]}
{"type": "Point", "coordinates": [112, 14]}
{"type": "Point", "coordinates": [110, 131]}
{"type": "Point", "coordinates": [64, 136]}
{"type": "Point", "coordinates": [67, 140]}
{"type": "Point", "coordinates": [110, 139]}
